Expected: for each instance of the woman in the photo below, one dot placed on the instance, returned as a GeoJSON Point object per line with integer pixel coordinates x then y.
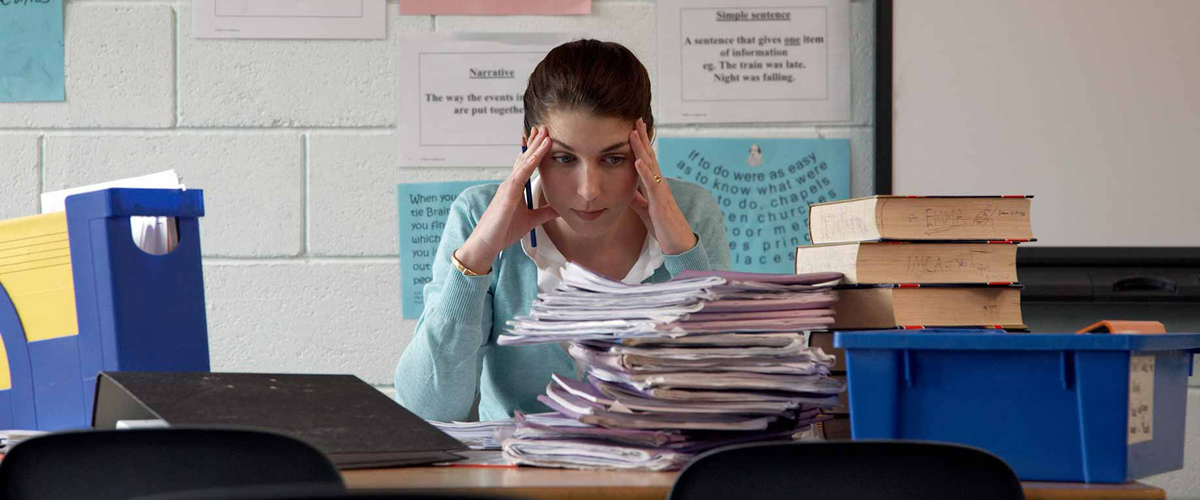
{"type": "Point", "coordinates": [599, 200]}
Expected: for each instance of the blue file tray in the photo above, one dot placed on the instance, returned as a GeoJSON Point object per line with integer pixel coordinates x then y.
{"type": "Point", "coordinates": [1056, 407]}
{"type": "Point", "coordinates": [16, 403]}
{"type": "Point", "coordinates": [135, 311]}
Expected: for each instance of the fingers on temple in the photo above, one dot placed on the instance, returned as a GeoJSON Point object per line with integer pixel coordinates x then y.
{"type": "Point", "coordinates": [644, 135]}
{"type": "Point", "coordinates": [536, 137]}
{"type": "Point", "coordinates": [639, 147]}
{"type": "Point", "coordinates": [529, 160]}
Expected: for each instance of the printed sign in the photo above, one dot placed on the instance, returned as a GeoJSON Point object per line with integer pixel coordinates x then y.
{"type": "Point", "coordinates": [1141, 398]}
{"type": "Point", "coordinates": [764, 188]}
{"type": "Point", "coordinates": [424, 208]}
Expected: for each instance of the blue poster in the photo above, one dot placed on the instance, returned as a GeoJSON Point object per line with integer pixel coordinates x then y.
{"type": "Point", "coordinates": [764, 187]}
{"type": "Point", "coordinates": [424, 208]}
{"type": "Point", "coordinates": [31, 51]}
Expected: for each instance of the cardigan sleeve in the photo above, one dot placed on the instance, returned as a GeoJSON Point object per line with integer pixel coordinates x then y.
{"type": "Point", "coordinates": [437, 377]}
{"type": "Point", "coordinates": [711, 252]}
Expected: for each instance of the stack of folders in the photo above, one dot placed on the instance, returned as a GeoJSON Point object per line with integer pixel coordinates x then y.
{"type": "Point", "coordinates": [11, 438]}
{"type": "Point", "coordinates": [917, 262]}
{"type": "Point", "coordinates": [672, 369]}
{"type": "Point", "coordinates": [485, 435]}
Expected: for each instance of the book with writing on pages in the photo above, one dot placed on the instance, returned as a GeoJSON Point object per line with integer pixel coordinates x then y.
{"type": "Point", "coordinates": [927, 306]}
{"type": "Point", "coordinates": [925, 218]}
{"type": "Point", "coordinates": [902, 262]}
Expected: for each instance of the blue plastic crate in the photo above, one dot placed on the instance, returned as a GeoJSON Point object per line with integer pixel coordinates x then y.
{"type": "Point", "coordinates": [1056, 407]}
{"type": "Point", "coordinates": [135, 311]}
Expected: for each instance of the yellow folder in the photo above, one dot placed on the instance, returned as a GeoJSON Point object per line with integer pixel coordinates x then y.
{"type": "Point", "coordinates": [35, 269]}
{"type": "Point", "coordinates": [5, 373]}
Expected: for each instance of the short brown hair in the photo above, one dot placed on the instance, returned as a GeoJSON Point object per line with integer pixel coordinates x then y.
{"type": "Point", "coordinates": [602, 78]}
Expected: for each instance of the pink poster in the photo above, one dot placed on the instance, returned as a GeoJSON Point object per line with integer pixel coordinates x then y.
{"type": "Point", "coordinates": [494, 7]}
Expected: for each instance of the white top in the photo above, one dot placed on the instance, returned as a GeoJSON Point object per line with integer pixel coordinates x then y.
{"type": "Point", "coordinates": [550, 261]}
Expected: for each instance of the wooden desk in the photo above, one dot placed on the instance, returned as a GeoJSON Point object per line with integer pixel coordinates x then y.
{"type": "Point", "coordinates": [557, 484]}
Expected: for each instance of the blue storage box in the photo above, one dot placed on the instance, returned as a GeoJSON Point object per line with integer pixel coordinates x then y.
{"type": "Point", "coordinates": [1056, 407]}
{"type": "Point", "coordinates": [133, 311]}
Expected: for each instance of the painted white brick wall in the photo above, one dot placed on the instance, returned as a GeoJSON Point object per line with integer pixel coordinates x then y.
{"type": "Point", "coordinates": [352, 205]}
{"type": "Point", "coordinates": [119, 70]}
{"type": "Point", "coordinates": [21, 179]}
{"type": "Point", "coordinates": [289, 83]}
{"type": "Point", "coordinates": [253, 180]}
{"type": "Point", "coordinates": [305, 316]}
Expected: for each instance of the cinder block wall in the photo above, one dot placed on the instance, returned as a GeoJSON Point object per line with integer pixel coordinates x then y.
{"type": "Point", "coordinates": [294, 143]}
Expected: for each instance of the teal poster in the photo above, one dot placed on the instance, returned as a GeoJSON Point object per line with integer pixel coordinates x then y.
{"type": "Point", "coordinates": [424, 208]}
{"type": "Point", "coordinates": [31, 51]}
{"type": "Point", "coordinates": [764, 188]}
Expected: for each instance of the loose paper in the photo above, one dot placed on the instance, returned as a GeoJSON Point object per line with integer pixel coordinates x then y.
{"type": "Point", "coordinates": [461, 97]}
{"type": "Point", "coordinates": [737, 61]}
{"type": "Point", "coordinates": [494, 7]}
{"type": "Point", "coordinates": [344, 19]}
{"type": "Point", "coordinates": [1141, 398]}
{"type": "Point", "coordinates": [31, 51]}
{"type": "Point", "coordinates": [154, 235]}
{"type": "Point", "coordinates": [424, 208]}
{"type": "Point", "coordinates": [764, 187]}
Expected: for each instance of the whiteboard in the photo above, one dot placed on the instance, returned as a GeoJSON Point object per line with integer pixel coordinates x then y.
{"type": "Point", "coordinates": [1090, 105]}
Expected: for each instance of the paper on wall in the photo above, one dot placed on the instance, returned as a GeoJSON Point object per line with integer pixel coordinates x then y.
{"type": "Point", "coordinates": [424, 208]}
{"type": "Point", "coordinates": [764, 188]}
{"type": "Point", "coordinates": [154, 235]}
{"type": "Point", "coordinates": [325, 19]}
{"type": "Point", "coordinates": [31, 51]}
{"type": "Point", "coordinates": [737, 61]}
{"type": "Point", "coordinates": [1141, 398]}
{"type": "Point", "coordinates": [461, 97]}
{"type": "Point", "coordinates": [494, 7]}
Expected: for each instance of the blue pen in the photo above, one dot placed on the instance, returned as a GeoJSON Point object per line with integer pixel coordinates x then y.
{"type": "Point", "coordinates": [529, 203]}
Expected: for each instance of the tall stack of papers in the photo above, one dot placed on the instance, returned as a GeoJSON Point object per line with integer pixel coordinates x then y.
{"type": "Point", "coordinates": [677, 368]}
{"type": "Point", "coordinates": [9, 439]}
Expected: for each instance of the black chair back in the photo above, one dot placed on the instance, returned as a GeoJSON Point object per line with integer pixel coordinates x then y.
{"type": "Point", "coordinates": [846, 470]}
{"type": "Point", "coordinates": [123, 464]}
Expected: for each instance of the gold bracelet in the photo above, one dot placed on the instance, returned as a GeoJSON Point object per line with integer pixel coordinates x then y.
{"type": "Point", "coordinates": [462, 268]}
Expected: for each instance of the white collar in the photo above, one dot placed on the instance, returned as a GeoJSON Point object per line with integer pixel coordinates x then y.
{"type": "Point", "coordinates": [550, 260]}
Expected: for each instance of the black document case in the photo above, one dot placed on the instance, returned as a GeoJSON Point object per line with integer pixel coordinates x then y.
{"type": "Point", "coordinates": [353, 423]}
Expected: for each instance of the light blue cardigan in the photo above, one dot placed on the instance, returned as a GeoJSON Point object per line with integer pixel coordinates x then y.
{"type": "Point", "coordinates": [453, 354]}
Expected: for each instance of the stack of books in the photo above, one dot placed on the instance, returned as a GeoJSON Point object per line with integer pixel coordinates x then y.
{"type": "Point", "coordinates": [674, 369]}
{"type": "Point", "coordinates": [912, 262]}
{"type": "Point", "coordinates": [921, 262]}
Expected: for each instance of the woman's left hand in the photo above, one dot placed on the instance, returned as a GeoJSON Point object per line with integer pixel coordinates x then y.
{"type": "Point", "coordinates": [653, 200]}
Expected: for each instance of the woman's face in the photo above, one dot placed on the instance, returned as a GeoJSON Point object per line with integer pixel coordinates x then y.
{"type": "Point", "coordinates": [588, 176]}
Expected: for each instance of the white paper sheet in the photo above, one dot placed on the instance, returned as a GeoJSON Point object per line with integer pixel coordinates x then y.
{"type": "Point", "coordinates": [460, 97]}
{"type": "Point", "coordinates": [11, 438]}
{"type": "Point", "coordinates": [328, 19]}
{"type": "Point", "coordinates": [154, 235]}
{"type": "Point", "coordinates": [1141, 399]}
{"type": "Point", "coordinates": [738, 61]}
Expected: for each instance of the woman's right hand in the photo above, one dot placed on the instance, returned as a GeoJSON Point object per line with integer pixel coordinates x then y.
{"type": "Point", "coordinates": [507, 218]}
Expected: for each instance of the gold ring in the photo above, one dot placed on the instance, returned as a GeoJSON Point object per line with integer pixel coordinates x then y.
{"type": "Point", "coordinates": [657, 179]}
